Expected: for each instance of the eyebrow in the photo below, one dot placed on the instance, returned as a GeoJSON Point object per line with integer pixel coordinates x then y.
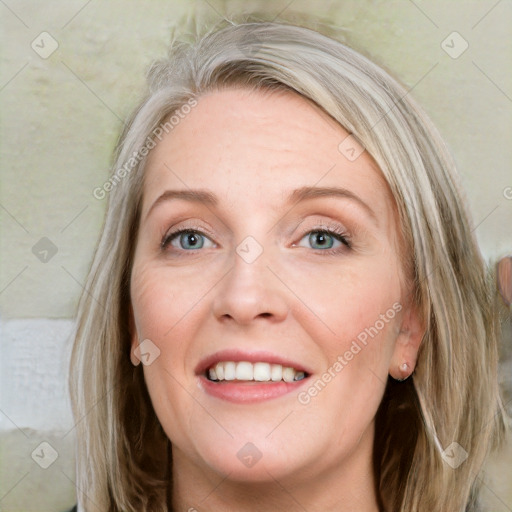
{"type": "Point", "coordinates": [312, 192]}
{"type": "Point", "coordinates": [296, 196]}
{"type": "Point", "coordinates": [195, 196]}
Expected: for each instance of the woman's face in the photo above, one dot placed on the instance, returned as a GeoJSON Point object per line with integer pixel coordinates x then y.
{"type": "Point", "coordinates": [290, 261]}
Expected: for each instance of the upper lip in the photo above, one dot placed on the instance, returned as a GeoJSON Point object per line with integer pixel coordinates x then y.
{"type": "Point", "coordinates": [237, 355]}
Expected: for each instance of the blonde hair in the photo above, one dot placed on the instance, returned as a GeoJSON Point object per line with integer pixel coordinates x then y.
{"type": "Point", "coordinates": [123, 455]}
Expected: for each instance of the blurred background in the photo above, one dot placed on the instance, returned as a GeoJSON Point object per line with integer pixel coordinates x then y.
{"type": "Point", "coordinates": [71, 72]}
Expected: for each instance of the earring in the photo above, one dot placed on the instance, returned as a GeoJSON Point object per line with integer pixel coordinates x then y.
{"type": "Point", "coordinates": [405, 371]}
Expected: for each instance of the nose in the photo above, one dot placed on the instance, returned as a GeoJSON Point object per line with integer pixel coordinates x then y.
{"type": "Point", "coordinates": [248, 292]}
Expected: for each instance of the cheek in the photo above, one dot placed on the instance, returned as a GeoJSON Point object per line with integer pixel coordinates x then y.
{"type": "Point", "coordinates": [355, 322]}
{"type": "Point", "coordinates": [164, 311]}
{"type": "Point", "coordinates": [358, 302]}
{"type": "Point", "coordinates": [346, 394]}
{"type": "Point", "coordinates": [162, 302]}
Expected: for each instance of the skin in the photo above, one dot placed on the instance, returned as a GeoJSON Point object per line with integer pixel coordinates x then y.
{"type": "Point", "coordinates": [251, 148]}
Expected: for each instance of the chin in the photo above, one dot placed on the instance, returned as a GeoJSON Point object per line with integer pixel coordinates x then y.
{"type": "Point", "coordinates": [252, 462]}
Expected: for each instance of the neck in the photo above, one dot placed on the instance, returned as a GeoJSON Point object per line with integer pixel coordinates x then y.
{"type": "Point", "coordinates": [347, 486]}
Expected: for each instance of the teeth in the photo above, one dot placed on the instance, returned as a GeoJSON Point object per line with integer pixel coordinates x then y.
{"type": "Point", "coordinates": [288, 374]}
{"type": "Point", "coordinates": [229, 370]}
{"type": "Point", "coordinates": [276, 372]}
{"type": "Point", "coordinates": [219, 370]}
{"type": "Point", "coordinates": [244, 371]}
{"type": "Point", "coordinates": [260, 372]}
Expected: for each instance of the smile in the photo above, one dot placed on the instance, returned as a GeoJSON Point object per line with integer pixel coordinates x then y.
{"type": "Point", "coordinates": [244, 371]}
{"type": "Point", "coordinates": [246, 377]}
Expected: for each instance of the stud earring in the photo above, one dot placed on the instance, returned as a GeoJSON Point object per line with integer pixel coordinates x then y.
{"type": "Point", "coordinates": [405, 371]}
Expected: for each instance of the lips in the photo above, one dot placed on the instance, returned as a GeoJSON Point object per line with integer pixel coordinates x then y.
{"type": "Point", "coordinates": [246, 377]}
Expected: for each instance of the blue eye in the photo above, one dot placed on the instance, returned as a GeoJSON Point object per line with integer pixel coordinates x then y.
{"type": "Point", "coordinates": [186, 239]}
{"type": "Point", "coordinates": [326, 240]}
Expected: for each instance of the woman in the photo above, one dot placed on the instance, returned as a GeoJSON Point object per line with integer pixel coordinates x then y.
{"type": "Point", "coordinates": [286, 252]}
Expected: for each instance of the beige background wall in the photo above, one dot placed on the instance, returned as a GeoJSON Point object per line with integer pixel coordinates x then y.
{"type": "Point", "coordinates": [70, 73]}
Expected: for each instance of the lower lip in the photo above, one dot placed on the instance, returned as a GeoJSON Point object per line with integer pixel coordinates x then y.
{"type": "Point", "coordinates": [249, 392]}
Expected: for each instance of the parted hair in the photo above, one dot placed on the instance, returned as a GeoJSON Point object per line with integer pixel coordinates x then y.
{"type": "Point", "coordinates": [124, 459]}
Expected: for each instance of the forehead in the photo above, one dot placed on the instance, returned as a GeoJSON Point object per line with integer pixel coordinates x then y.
{"type": "Point", "coordinates": [248, 143]}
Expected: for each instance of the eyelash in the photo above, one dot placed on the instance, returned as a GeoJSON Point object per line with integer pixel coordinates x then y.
{"type": "Point", "coordinates": [331, 230]}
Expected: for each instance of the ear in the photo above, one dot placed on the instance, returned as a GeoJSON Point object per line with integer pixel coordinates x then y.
{"type": "Point", "coordinates": [133, 337]}
{"type": "Point", "coordinates": [407, 345]}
